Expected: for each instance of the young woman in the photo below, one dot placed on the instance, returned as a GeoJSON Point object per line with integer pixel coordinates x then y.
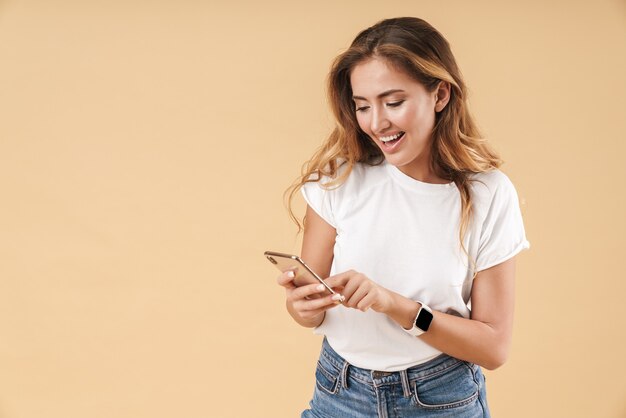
{"type": "Point", "coordinates": [411, 221]}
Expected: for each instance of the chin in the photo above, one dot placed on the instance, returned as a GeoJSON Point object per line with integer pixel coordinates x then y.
{"type": "Point", "coordinates": [398, 161]}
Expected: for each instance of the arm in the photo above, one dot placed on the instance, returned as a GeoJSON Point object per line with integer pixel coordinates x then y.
{"type": "Point", "coordinates": [483, 339]}
{"type": "Point", "coordinates": [318, 243]}
{"type": "Point", "coordinates": [317, 252]}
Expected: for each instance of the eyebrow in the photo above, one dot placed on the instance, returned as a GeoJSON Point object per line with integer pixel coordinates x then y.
{"type": "Point", "coordinates": [381, 95]}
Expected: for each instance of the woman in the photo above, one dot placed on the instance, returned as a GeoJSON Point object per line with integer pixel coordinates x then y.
{"type": "Point", "coordinates": [412, 222]}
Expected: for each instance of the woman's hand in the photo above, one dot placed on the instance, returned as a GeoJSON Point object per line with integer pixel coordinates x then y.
{"type": "Point", "coordinates": [309, 302]}
{"type": "Point", "coordinates": [360, 292]}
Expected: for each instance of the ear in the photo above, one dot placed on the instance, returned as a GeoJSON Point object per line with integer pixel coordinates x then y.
{"type": "Point", "coordinates": [442, 96]}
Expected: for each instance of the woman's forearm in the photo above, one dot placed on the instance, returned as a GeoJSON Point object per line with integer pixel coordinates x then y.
{"type": "Point", "coordinates": [465, 339]}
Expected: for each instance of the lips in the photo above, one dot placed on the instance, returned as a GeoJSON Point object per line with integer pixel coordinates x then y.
{"type": "Point", "coordinates": [390, 142]}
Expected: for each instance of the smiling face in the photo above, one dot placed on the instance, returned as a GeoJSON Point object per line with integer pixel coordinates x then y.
{"type": "Point", "coordinates": [398, 114]}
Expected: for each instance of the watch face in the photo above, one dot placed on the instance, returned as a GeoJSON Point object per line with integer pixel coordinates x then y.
{"type": "Point", "coordinates": [423, 320]}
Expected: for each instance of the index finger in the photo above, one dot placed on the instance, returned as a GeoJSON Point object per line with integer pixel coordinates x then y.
{"type": "Point", "coordinates": [339, 279]}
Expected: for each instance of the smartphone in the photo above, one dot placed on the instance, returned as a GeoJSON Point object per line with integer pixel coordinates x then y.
{"type": "Point", "coordinates": [304, 274]}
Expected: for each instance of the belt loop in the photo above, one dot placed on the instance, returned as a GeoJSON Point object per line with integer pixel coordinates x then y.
{"type": "Point", "coordinates": [405, 383]}
{"type": "Point", "coordinates": [344, 375]}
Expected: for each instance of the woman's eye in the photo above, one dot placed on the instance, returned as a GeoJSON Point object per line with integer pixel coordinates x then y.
{"type": "Point", "coordinates": [362, 108]}
{"type": "Point", "coordinates": [395, 104]}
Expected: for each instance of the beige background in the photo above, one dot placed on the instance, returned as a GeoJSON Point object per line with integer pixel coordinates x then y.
{"type": "Point", "coordinates": [144, 147]}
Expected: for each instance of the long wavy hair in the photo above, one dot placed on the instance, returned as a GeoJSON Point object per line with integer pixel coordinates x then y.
{"type": "Point", "coordinates": [457, 149]}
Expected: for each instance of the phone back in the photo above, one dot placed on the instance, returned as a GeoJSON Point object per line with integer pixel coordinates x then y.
{"type": "Point", "coordinates": [284, 262]}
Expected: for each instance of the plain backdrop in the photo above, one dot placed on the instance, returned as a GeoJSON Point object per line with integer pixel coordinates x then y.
{"type": "Point", "coordinates": [144, 149]}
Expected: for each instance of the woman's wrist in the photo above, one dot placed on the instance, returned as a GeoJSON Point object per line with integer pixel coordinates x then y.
{"type": "Point", "coordinates": [316, 321]}
{"type": "Point", "coordinates": [306, 322]}
{"type": "Point", "coordinates": [403, 310]}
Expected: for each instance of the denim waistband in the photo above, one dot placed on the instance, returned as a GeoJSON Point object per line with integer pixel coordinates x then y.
{"type": "Point", "coordinates": [438, 365]}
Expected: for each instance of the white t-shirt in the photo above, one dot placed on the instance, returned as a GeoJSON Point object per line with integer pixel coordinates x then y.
{"type": "Point", "coordinates": [404, 235]}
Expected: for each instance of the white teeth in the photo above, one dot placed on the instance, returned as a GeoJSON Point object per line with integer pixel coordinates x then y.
{"type": "Point", "coordinates": [391, 138]}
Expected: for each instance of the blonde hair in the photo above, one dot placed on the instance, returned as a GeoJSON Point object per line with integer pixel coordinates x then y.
{"type": "Point", "coordinates": [415, 47]}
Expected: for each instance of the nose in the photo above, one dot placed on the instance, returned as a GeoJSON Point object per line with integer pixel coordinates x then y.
{"type": "Point", "coordinates": [379, 122]}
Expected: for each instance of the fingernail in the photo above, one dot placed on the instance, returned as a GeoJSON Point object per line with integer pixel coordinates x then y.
{"type": "Point", "coordinates": [291, 274]}
{"type": "Point", "coordinates": [320, 287]}
{"type": "Point", "coordinates": [337, 296]}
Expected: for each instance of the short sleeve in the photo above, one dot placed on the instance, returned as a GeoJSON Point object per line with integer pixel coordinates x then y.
{"type": "Point", "coordinates": [502, 234]}
{"type": "Point", "coordinates": [320, 200]}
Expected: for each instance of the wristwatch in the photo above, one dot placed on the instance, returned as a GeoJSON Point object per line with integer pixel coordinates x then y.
{"type": "Point", "coordinates": [422, 321]}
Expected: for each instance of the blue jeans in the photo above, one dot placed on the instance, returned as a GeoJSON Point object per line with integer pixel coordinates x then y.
{"type": "Point", "coordinates": [442, 387]}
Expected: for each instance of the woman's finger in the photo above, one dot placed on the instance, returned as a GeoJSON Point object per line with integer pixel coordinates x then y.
{"type": "Point", "coordinates": [308, 290]}
{"type": "Point", "coordinates": [304, 306]}
{"type": "Point", "coordinates": [339, 279]}
{"type": "Point", "coordinates": [286, 279]}
{"type": "Point", "coordinates": [354, 295]}
{"type": "Point", "coordinates": [367, 302]}
{"type": "Point", "coordinates": [350, 288]}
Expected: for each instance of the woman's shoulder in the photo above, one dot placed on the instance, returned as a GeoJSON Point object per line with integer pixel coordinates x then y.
{"type": "Point", "coordinates": [493, 184]}
{"type": "Point", "coordinates": [492, 179]}
{"type": "Point", "coordinates": [330, 196]}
